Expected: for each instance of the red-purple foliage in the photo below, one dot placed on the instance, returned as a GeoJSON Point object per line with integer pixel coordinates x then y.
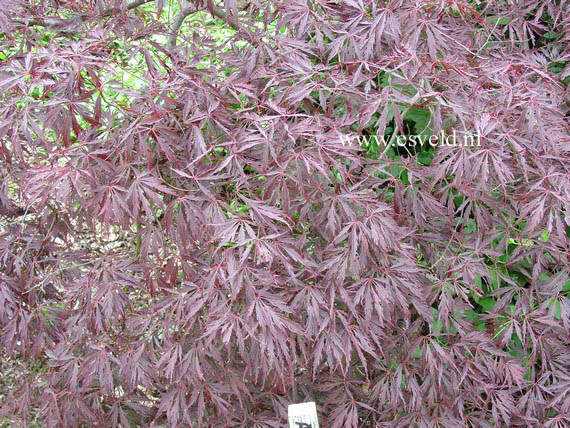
{"type": "Point", "coordinates": [195, 245]}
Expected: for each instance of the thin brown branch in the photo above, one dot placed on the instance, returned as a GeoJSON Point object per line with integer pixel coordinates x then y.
{"type": "Point", "coordinates": [214, 11]}
{"type": "Point", "coordinates": [132, 5]}
{"type": "Point", "coordinates": [178, 21]}
{"type": "Point", "coordinates": [59, 22]}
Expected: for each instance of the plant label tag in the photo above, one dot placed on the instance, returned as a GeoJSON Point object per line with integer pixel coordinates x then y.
{"type": "Point", "coordinates": [303, 415]}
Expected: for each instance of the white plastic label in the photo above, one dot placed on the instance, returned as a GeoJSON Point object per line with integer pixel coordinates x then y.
{"type": "Point", "coordinates": [303, 415]}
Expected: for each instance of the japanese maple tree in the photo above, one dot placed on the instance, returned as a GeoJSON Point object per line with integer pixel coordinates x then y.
{"type": "Point", "coordinates": [194, 230]}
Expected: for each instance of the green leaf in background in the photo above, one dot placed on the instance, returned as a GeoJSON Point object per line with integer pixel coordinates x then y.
{"type": "Point", "coordinates": [487, 303]}
{"type": "Point", "coordinates": [475, 318]}
{"type": "Point", "coordinates": [552, 35]}
{"type": "Point", "coordinates": [499, 20]}
{"type": "Point", "coordinates": [421, 118]}
{"type": "Point", "coordinates": [470, 226]}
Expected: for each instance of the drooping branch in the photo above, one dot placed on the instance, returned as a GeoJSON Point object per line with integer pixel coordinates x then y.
{"type": "Point", "coordinates": [59, 22]}
{"type": "Point", "coordinates": [214, 11]}
{"type": "Point", "coordinates": [131, 5]}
